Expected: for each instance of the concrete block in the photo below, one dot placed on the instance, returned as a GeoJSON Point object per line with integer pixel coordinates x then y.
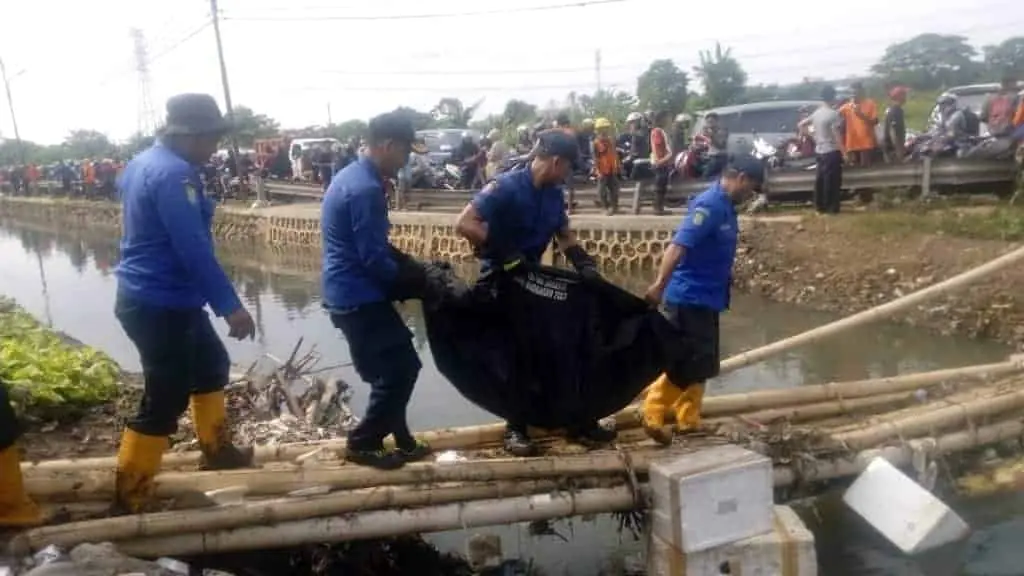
{"type": "Point", "coordinates": [711, 497]}
{"type": "Point", "coordinates": [905, 513]}
{"type": "Point", "coordinates": [788, 550]}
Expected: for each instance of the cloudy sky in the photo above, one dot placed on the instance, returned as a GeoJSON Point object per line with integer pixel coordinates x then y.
{"type": "Point", "coordinates": [73, 62]}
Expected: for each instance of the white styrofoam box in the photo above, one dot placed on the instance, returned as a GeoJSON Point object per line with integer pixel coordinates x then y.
{"type": "Point", "coordinates": [905, 513]}
{"type": "Point", "coordinates": [711, 497]}
{"type": "Point", "coordinates": [788, 550]}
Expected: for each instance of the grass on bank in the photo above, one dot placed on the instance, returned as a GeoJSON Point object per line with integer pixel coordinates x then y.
{"type": "Point", "coordinates": [1000, 222]}
{"type": "Point", "coordinates": [49, 377]}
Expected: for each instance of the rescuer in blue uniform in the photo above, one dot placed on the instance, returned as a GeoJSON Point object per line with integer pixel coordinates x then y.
{"type": "Point", "coordinates": [167, 274]}
{"type": "Point", "coordinates": [511, 222]}
{"type": "Point", "coordinates": [694, 279]}
{"type": "Point", "coordinates": [361, 278]}
{"type": "Point", "coordinates": [16, 509]}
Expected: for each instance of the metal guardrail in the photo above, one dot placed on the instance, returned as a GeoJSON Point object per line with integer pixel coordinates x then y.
{"type": "Point", "coordinates": [926, 175]}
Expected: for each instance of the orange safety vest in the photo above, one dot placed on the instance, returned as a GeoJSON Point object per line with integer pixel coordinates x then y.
{"type": "Point", "coordinates": [606, 157]}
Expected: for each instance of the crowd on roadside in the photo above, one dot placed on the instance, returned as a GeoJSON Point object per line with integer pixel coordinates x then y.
{"type": "Point", "coordinates": [88, 177]}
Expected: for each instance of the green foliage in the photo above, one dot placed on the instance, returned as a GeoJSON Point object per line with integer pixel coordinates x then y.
{"type": "Point", "coordinates": [48, 377]}
{"type": "Point", "coordinates": [250, 127]}
{"type": "Point", "coordinates": [930, 62]}
{"type": "Point", "coordinates": [663, 86]}
{"type": "Point", "coordinates": [452, 113]}
{"type": "Point", "coordinates": [723, 78]}
{"type": "Point", "coordinates": [1006, 56]}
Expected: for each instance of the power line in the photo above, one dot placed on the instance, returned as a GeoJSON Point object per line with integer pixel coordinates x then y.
{"type": "Point", "coordinates": [428, 16]}
{"type": "Point", "coordinates": [170, 48]}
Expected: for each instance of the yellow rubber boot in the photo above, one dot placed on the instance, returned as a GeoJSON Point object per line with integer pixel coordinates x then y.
{"type": "Point", "coordinates": [688, 407]}
{"type": "Point", "coordinates": [662, 395]}
{"type": "Point", "coordinates": [16, 509]}
{"type": "Point", "coordinates": [138, 461]}
{"type": "Point", "coordinates": [209, 416]}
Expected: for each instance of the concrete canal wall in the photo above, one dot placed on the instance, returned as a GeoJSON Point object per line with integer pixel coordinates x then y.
{"type": "Point", "coordinates": [623, 243]}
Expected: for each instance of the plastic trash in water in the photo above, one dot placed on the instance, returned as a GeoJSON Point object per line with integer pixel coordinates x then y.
{"type": "Point", "coordinates": [49, 555]}
{"type": "Point", "coordinates": [450, 457]}
{"type": "Point", "coordinates": [175, 566]}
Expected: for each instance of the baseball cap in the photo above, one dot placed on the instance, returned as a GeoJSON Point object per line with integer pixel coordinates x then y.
{"type": "Point", "coordinates": [748, 166]}
{"type": "Point", "coordinates": [397, 127]}
{"type": "Point", "coordinates": [557, 143]}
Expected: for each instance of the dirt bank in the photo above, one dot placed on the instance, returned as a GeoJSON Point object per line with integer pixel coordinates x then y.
{"type": "Point", "coordinates": [858, 260]}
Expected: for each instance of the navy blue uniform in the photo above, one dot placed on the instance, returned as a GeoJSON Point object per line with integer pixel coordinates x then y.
{"type": "Point", "coordinates": [699, 287]}
{"type": "Point", "coordinates": [358, 274]}
{"type": "Point", "coordinates": [520, 217]}
{"type": "Point", "coordinates": [167, 274]}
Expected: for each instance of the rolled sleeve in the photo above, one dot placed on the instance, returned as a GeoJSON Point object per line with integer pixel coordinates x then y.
{"type": "Point", "coordinates": [190, 239]}
{"type": "Point", "coordinates": [370, 229]}
{"type": "Point", "coordinates": [697, 225]}
{"type": "Point", "coordinates": [488, 201]}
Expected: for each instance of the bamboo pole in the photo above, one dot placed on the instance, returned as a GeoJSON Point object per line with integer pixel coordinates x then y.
{"type": "Point", "coordinates": [462, 438]}
{"type": "Point", "coordinates": [957, 413]}
{"type": "Point", "coordinates": [282, 479]}
{"type": "Point", "coordinates": [503, 511]}
{"type": "Point", "coordinates": [389, 523]}
{"type": "Point", "coordinates": [900, 455]}
{"type": "Point", "coordinates": [270, 512]}
{"type": "Point", "coordinates": [877, 313]}
{"type": "Point", "coordinates": [809, 412]}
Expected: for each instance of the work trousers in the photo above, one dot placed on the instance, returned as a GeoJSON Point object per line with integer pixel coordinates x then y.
{"type": "Point", "coordinates": [828, 182]}
{"type": "Point", "coordinates": [661, 181]}
{"type": "Point", "coordinates": [698, 328]}
{"type": "Point", "coordinates": [382, 353]}
{"type": "Point", "coordinates": [608, 191]}
{"type": "Point", "coordinates": [181, 355]}
{"type": "Point", "coordinates": [10, 429]}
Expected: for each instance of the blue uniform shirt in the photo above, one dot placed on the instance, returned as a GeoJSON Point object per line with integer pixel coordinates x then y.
{"type": "Point", "coordinates": [519, 216]}
{"type": "Point", "coordinates": [357, 262]}
{"type": "Point", "coordinates": [708, 234]}
{"type": "Point", "coordinates": [167, 256]}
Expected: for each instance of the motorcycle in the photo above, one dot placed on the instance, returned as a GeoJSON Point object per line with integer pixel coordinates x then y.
{"type": "Point", "coordinates": [450, 176]}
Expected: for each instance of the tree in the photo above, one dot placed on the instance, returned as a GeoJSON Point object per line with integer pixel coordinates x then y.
{"type": "Point", "coordinates": [87, 144]}
{"type": "Point", "coordinates": [929, 62]}
{"type": "Point", "coordinates": [723, 78]}
{"type": "Point", "coordinates": [347, 130]}
{"type": "Point", "coordinates": [518, 112]}
{"type": "Point", "coordinates": [1007, 56]}
{"type": "Point", "coordinates": [663, 86]}
{"type": "Point", "coordinates": [607, 104]}
{"type": "Point", "coordinates": [135, 144]}
{"type": "Point", "coordinates": [250, 126]}
{"type": "Point", "coordinates": [452, 113]}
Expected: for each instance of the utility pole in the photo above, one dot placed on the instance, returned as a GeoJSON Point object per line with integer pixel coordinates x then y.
{"type": "Point", "coordinates": [330, 121]}
{"type": "Point", "coordinates": [10, 105]}
{"type": "Point", "coordinates": [597, 67]}
{"type": "Point", "coordinates": [227, 89]}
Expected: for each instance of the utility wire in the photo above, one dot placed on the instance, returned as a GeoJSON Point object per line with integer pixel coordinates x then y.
{"type": "Point", "coordinates": [158, 55]}
{"type": "Point", "coordinates": [426, 16]}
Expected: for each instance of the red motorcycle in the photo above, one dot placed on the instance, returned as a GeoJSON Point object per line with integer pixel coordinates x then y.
{"type": "Point", "coordinates": [690, 162]}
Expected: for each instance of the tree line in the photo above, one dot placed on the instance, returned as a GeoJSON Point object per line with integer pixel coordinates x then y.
{"type": "Point", "coordinates": [926, 63]}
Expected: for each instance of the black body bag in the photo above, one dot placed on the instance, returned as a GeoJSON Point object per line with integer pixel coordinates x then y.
{"type": "Point", "coordinates": [544, 346]}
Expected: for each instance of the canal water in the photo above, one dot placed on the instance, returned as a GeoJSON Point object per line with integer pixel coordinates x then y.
{"type": "Point", "coordinates": [66, 280]}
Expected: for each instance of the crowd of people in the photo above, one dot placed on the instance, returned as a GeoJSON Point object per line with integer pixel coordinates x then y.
{"type": "Point", "coordinates": [89, 177]}
{"type": "Point", "coordinates": [168, 274]}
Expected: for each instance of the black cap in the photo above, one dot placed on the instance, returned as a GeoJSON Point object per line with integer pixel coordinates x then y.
{"type": "Point", "coordinates": [748, 166]}
{"type": "Point", "coordinates": [397, 127]}
{"type": "Point", "coordinates": [194, 115]}
{"type": "Point", "coordinates": [557, 143]}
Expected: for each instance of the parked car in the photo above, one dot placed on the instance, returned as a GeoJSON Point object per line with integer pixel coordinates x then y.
{"type": "Point", "coordinates": [774, 121]}
{"type": "Point", "coordinates": [971, 96]}
{"type": "Point", "coordinates": [442, 142]}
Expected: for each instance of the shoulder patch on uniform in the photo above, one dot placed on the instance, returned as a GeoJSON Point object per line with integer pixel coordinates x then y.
{"type": "Point", "coordinates": [190, 192]}
{"type": "Point", "coordinates": [699, 215]}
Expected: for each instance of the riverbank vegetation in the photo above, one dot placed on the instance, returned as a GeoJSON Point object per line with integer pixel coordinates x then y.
{"type": "Point", "coordinates": [50, 376]}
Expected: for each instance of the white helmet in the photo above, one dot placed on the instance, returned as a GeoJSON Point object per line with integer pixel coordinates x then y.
{"type": "Point", "coordinates": [634, 117]}
{"type": "Point", "coordinates": [522, 128]}
{"type": "Point", "coordinates": [683, 118]}
{"type": "Point", "coordinates": [588, 122]}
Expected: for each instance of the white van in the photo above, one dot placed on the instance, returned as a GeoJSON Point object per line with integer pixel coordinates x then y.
{"type": "Point", "coordinates": [298, 149]}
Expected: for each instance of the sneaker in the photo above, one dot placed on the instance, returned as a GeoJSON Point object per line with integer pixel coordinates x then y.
{"type": "Point", "coordinates": [592, 435]}
{"type": "Point", "coordinates": [417, 450]}
{"type": "Point", "coordinates": [518, 443]}
{"type": "Point", "coordinates": [380, 459]}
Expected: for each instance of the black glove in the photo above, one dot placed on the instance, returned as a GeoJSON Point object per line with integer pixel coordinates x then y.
{"type": "Point", "coordinates": [582, 262]}
{"type": "Point", "coordinates": [411, 281]}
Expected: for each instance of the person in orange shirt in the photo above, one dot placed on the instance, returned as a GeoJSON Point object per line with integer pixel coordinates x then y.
{"type": "Point", "coordinates": [860, 116]}
{"type": "Point", "coordinates": [88, 177]}
{"type": "Point", "coordinates": [606, 165]}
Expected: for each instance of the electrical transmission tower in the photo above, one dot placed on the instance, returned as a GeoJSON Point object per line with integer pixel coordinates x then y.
{"type": "Point", "coordinates": [146, 114]}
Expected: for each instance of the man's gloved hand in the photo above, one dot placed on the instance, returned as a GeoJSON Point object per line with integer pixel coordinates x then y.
{"type": "Point", "coordinates": [582, 262]}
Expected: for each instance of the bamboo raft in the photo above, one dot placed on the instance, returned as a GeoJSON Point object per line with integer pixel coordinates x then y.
{"type": "Point", "coordinates": [305, 493]}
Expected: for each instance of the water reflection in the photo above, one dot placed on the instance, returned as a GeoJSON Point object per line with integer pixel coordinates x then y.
{"type": "Point", "coordinates": [66, 276]}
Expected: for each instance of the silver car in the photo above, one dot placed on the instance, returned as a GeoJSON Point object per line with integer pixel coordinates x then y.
{"type": "Point", "coordinates": [775, 121]}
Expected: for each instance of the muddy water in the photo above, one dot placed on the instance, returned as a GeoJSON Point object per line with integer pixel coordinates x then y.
{"type": "Point", "coordinates": [67, 281]}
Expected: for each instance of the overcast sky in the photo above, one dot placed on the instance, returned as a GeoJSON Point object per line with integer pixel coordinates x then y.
{"type": "Point", "coordinates": [74, 67]}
